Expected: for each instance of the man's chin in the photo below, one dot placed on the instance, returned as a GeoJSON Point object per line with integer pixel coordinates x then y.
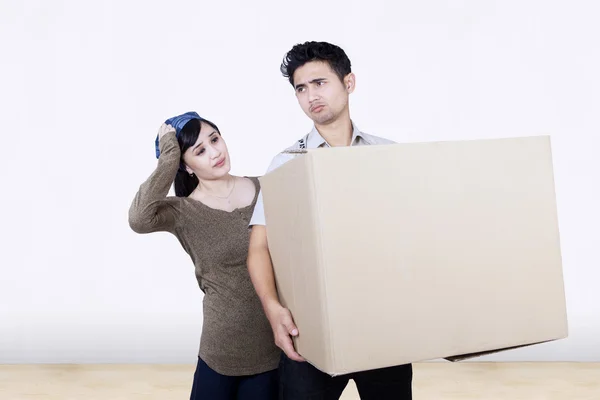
{"type": "Point", "coordinates": [323, 119]}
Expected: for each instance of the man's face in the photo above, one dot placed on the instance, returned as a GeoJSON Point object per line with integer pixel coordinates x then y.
{"type": "Point", "coordinates": [321, 94]}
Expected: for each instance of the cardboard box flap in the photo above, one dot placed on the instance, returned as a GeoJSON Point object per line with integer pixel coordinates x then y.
{"type": "Point", "coordinates": [468, 356]}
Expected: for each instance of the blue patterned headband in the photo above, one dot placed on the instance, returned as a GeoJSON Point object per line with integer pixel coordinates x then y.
{"type": "Point", "coordinates": [177, 122]}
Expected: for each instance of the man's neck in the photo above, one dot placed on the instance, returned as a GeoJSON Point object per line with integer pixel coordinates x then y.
{"type": "Point", "coordinates": [337, 133]}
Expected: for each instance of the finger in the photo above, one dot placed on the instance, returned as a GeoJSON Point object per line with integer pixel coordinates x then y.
{"type": "Point", "coordinates": [291, 329]}
{"type": "Point", "coordinates": [288, 349]}
{"type": "Point", "coordinates": [296, 357]}
{"type": "Point", "coordinates": [164, 129]}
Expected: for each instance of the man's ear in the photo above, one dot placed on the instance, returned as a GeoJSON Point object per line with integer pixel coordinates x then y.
{"type": "Point", "coordinates": [350, 82]}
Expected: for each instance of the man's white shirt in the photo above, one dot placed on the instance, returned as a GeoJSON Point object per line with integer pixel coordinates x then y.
{"type": "Point", "coordinates": [313, 140]}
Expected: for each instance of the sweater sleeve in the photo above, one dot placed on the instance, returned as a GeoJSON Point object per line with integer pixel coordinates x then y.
{"type": "Point", "coordinates": [152, 210]}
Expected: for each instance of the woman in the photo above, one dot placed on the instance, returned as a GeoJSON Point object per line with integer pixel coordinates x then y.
{"type": "Point", "coordinates": [209, 215]}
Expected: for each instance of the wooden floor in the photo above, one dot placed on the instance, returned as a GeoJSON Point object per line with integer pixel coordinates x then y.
{"type": "Point", "coordinates": [432, 381]}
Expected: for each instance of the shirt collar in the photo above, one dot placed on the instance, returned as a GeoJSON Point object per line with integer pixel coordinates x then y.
{"type": "Point", "coordinates": [315, 140]}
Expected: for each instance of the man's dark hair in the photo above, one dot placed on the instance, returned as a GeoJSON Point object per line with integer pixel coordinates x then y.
{"type": "Point", "coordinates": [302, 53]}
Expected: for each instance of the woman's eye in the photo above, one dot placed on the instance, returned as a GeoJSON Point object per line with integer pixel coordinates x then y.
{"type": "Point", "coordinates": [200, 151]}
{"type": "Point", "coordinates": [215, 139]}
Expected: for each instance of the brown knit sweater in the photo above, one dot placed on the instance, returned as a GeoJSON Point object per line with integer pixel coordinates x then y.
{"type": "Point", "coordinates": [236, 335]}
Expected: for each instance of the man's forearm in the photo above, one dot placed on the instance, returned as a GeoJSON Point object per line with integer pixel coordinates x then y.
{"type": "Point", "coordinates": [260, 268]}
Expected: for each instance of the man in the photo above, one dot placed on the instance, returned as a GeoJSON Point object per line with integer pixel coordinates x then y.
{"type": "Point", "coordinates": [321, 76]}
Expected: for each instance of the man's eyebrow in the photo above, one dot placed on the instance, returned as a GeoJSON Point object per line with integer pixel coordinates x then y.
{"type": "Point", "coordinates": [316, 80]}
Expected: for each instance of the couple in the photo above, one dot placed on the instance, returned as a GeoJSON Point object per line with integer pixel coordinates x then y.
{"type": "Point", "coordinates": [245, 328]}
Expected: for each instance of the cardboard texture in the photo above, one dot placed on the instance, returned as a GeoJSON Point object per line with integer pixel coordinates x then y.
{"type": "Point", "coordinates": [401, 253]}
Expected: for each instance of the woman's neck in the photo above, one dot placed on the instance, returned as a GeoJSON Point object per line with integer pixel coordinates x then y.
{"type": "Point", "coordinates": [218, 187]}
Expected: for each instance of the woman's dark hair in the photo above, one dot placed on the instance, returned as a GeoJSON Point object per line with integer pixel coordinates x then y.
{"type": "Point", "coordinates": [302, 53]}
{"type": "Point", "coordinates": [184, 182]}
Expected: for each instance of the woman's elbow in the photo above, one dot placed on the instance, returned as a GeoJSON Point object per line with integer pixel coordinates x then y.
{"type": "Point", "coordinates": [139, 224]}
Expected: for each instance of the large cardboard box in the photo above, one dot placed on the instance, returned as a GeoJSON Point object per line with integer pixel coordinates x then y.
{"type": "Point", "coordinates": [400, 253]}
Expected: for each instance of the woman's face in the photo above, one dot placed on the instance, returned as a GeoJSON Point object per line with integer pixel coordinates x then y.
{"type": "Point", "coordinates": [208, 158]}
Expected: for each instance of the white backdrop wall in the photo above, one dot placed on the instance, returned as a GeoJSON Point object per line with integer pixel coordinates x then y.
{"type": "Point", "coordinates": [85, 86]}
